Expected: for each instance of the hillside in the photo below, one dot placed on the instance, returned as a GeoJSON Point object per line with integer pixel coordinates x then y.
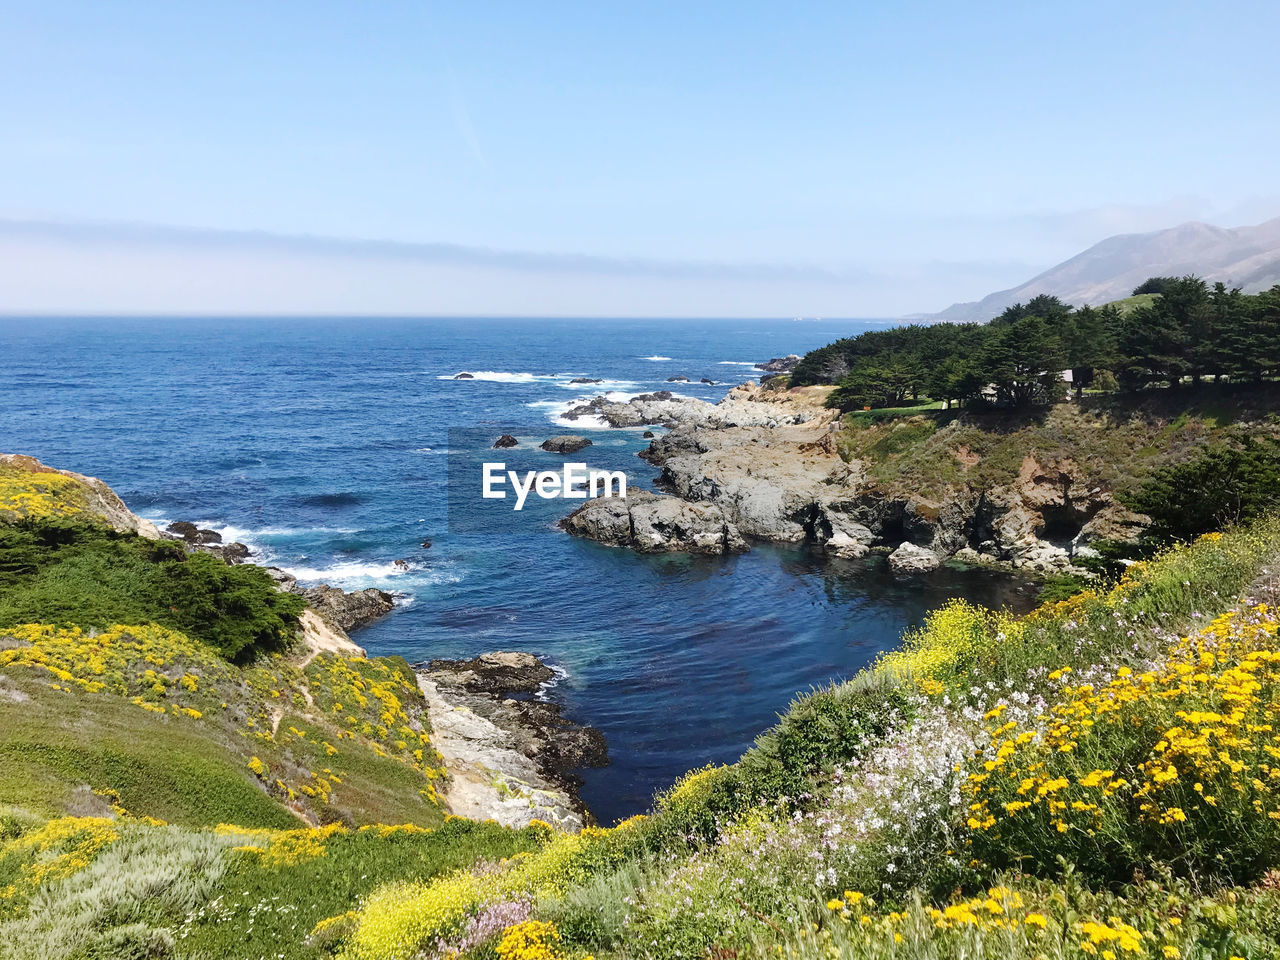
{"type": "Point", "coordinates": [1245, 257]}
{"type": "Point", "coordinates": [180, 688]}
{"type": "Point", "coordinates": [1093, 779]}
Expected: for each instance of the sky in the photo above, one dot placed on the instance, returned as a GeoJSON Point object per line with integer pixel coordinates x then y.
{"type": "Point", "coordinates": [610, 159]}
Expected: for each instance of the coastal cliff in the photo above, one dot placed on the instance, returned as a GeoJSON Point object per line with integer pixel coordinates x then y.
{"type": "Point", "coordinates": [1031, 492]}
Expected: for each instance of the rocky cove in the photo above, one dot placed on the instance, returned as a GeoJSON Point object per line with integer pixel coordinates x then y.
{"type": "Point", "coordinates": [775, 464]}
{"type": "Point", "coordinates": [509, 752]}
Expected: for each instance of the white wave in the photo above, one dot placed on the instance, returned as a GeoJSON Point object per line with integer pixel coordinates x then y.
{"type": "Point", "coordinates": [431, 451]}
{"type": "Point", "coordinates": [504, 376]}
{"type": "Point", "coordinates": [363, 572]}
{"type": "Point", "coordinates": [604, 386]}
{"type": "Point", "coordinates": [248, 535]}
{"type": "Point", "coordinates": [736, 363]}
{"type": "Point", "coordinates": [558, 673]}
{"type": "Point", "coordinates": [556, 410]}
{"type": "Point", "coordinates": [655, 357]}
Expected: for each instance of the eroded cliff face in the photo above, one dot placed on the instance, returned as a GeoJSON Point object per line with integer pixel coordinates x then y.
{"type": "Point", "coordinates": [770, 467]}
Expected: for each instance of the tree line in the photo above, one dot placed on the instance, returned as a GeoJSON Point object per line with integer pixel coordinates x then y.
{"type": "Point", "coordinates": [1188, 333]}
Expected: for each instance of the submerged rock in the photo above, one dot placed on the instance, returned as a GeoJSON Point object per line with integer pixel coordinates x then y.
{"type": "Point", "coordinates": [464, 376]}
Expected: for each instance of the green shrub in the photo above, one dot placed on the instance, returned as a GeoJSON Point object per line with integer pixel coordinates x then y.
{"type": "Point", "coordinates": [75, 573]}
{"type": "Point", "coordinates": [1226, 484]}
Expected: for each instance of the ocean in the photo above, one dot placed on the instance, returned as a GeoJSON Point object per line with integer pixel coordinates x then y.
{"type": "Point", "coordinates": [321, 443]}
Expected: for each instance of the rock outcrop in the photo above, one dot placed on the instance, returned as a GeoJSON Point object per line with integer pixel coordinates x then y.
{"type": "Point", "coordinates": [779, 364]}
{"type": "Point", "coordinates": [663, 407]}
{"type": "Point", "coordinates": [651, 523]}
{"type": "Point", "coordinates": [565, 443]}
{"type": "Point", "coordinates": [510, 754]}
{"type": "Point", "coordinates": [765, 464]}
{"type": "Point", "coordinates": [342, 609]}
{"type": "Point", "coordinates": [504, 671]}
{"type": "Point", "coordinates": [505, 441]}
{"type": "Point", "coordinates": [207, 541]}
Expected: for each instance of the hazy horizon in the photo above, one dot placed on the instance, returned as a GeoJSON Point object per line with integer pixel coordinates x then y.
{"type": "Point", "coordinates": [732, 161]}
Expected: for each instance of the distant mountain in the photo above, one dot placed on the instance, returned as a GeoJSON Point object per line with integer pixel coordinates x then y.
{"type": "Point", "coordinates": [1247, 257]}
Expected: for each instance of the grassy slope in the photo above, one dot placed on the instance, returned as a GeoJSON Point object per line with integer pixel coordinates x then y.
{"type": "Point", "coordinates": [122, 748]}
{"type": "Point", "coordinates": [183, 736]}
{"type": "Point", "coordinates": [55, 744]}
{"type": "Point", "coordinates": [158, 712]}
{"type": "Point", "coordinates": [1115, 440]}
{"type": "Point", "coordinates": [853, 792]}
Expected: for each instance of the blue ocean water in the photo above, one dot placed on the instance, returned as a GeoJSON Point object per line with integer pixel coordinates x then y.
{"type": "Point", "coordinates": [321, 443]}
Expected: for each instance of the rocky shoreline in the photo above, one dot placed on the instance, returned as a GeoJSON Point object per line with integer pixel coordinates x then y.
{"type": "Point", "coordinates": [510, 752]}
{"type": "Point", "coordinates": [765, 464]}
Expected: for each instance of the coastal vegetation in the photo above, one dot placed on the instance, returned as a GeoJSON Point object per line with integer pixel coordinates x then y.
{"type": "Point", "coordinates": [73, 571]}
{"type": "Point", "coordinates": [1173, 332]}
{"type": "Point", "coordinates": [1095, 779]}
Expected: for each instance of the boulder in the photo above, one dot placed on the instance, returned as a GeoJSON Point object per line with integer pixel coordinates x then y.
{"type": "Point", "coordinates": [192, 534]}
{"type": "Point", "coordinates": [229, 552]}
{"type": "Point", "coordinates": [565, 443]}
{"type": "Point", "coordinates": [464, 376]}
{"type": "Point", "coordinates": [585, 380]}
{"type": "Point", "coordinates": [677, 379]}
{"type": "Point", "coordinates": [285, 582]}
{"type": "Point", "coordinates": [184, 530]}
{"type": "Point", "coordinates": [505, 441]}
{"type": "Point", "coordinates": [707, 380]}
{"type": "Point", "coordinates": [910, 558]}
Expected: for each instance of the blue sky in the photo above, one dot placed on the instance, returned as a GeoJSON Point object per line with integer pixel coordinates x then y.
{"type": "Point", "coordinates": [666, 158]}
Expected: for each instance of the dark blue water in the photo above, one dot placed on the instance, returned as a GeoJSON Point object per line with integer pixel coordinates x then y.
{"type": "Point", "coordinates": [321, 443]}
